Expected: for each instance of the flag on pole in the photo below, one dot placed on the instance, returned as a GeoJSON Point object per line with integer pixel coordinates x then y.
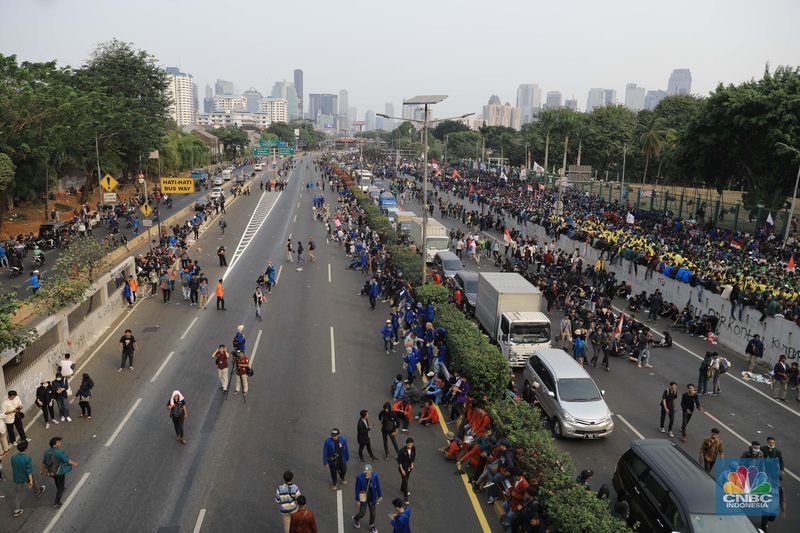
{"type": "Point", "coordinates": [736, 244]}
{"type": "Point", "coordinates": [630, 219]}
{"type": "Point", "coordinates": [506, 235]}
{"type": "Point", "coordinates": [153, 155]}
{"type": "Point", "coordinates": [620, 322]}
{"type": "Point", "coordinates": [769, 220]}
{"type": "Point", "coordinates": [456, 175]}
{"type": "Point", "coordinates": [541, 186]}
{"type": "Point", "coordinates": [503, 176]}
{"type": "Point", "coordinates": [790, 264]}
{"type": "Point", "coordinates": [530, 188]}
{"type": "Point", "coordinates": [537, 167]}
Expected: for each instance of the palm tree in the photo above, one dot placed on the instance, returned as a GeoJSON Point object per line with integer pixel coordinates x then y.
{"type": "Point", "coordinates": [653, 136]}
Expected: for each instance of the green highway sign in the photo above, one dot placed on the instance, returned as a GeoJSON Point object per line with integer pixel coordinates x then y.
{"type": "Point", "coordinates": [287, 150]}
{"type": "Point", "coordinates": [262, 151]}
{"type": "Point", "coordinates": [264, 143]}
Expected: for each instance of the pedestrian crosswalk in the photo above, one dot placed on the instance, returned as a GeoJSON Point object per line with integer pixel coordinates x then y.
{"type": "Point", "coordinates": [260, 214]}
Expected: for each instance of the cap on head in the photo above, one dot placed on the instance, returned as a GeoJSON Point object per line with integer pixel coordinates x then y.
{"type": "Point", "coordinates": [367, 468]}
{"type": "Point", "coordinates": [335, 432]}
{"type": "Point", "coordinates": [450, 435]}
{"type": "Point", "coordinates": [715, 431]}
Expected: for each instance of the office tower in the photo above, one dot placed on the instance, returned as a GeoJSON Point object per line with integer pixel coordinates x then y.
{"type": "Point", "coordinates": [680, 82]}
{"type": "Point", "coordinates": [286, 90]}
{"type": "Point", "coordinates": [223, 87]}
{"type": "Point", "coordinates": [181, 93]}
{"type": "Point", "coordinates": [501, 115]}
{"type": "Point", "coordinates": [253, 98]}
{"type": "Point", "coordinates": [344, 124]}
{"type": "Point", "coordinates": [277, 108]}
{"type": "Point", "coordinates": [369, 118]}
{"type": "Point", "coordinates": [230, 102]}
{"type": "Point", "coordinates": [298, 87]}
{"type": "Point", "coordinates": [322, 104]}
{"type": "Point", "coordinates": [609, 96]}
{"type": "Point", "coordinates": [652, 98]}
{"type": "Point", "coordinates": [634, 97]}
{"type": "Point", "coordinates": [571, 103]}
{"type": "Point", "coordinates": [553, 100]}
{"type": "Point", "coordinates": [388, 123]}
{"type": "Point", "coordinates": [595, 99]}
{"type": "Point", "coordinates": [529, 100]}
{"type": "Point", "coordinates": [352, 114]}
{"type": "Point", "coordinates": [495, 100]}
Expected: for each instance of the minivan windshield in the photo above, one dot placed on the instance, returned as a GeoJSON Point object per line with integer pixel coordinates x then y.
{"type": "Point", "coordinates": [530, 333]}
{"type": "Point", "coordinates": [438, 243]}
{"type": "Point", "coordinates": [711, 523]}
{"type": "Point", "coordinates": [471, 286]}
{"type": "Point", "coordinates": [578, 390]}
{"type": "Point", "coordinates": [452, 264]}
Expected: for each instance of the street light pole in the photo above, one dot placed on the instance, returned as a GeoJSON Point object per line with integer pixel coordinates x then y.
{"type": "Point", "coordinates": [446, 139]}
{"type": "Point", "coordinates": [425, 195]}
{"type": "Point", "coordinates": [99, 176]}
{"type": "Point", "coordinates": [624, 155]}
{"type": "Point", "coordinates": [794, 195]}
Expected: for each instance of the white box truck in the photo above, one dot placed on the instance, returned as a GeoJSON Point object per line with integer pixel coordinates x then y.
{"type": "Point", "coordinates": [507, 307]}
{"type": "Point", "coordinates": [436, 236]}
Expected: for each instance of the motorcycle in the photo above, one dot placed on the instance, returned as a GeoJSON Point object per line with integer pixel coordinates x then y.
{"type": "Point", "coordinates": [38, 261]}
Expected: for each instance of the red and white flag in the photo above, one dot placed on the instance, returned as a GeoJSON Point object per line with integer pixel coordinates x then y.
{"type": "Point", "coordinates": [618, 328]}
{"type": "Point", "coordinates": [530, 188]}
{"type": "Point", "coordinates": [790, 264]}
{"type": "Point", "coordinates": [537, 167]}
{"type": "Point", "coordinates": [506, 235]}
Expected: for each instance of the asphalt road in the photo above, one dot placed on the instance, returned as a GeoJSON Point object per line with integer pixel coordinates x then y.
{"type": "Point", "coordinates": [100, 232]}
{"type": "Point", "coordinates": [743, 412]}
{"type": "Point", "coordinates": [318, 360]}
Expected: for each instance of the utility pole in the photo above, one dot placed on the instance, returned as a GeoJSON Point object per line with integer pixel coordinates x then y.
{"type": "Point", "coordinates": [624, 156]}
{"type": "Point", "coordinates": [425, 195]}
{"type": "Point", "coordinates": [99, 176]}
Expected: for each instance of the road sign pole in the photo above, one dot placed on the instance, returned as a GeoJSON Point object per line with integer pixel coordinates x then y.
{"type": "Point", "coordinates": [99, 176]}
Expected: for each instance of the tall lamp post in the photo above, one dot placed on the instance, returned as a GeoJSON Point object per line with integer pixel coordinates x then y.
{"type": "Point", "coordinates": [794, 195]}
{"type": "Point", "coordinates": [426, 101]}
{"type": "Point", "coordinates": [360, 124]}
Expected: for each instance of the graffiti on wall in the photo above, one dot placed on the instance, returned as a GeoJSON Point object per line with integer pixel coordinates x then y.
{"type": "Point", "coordinates": [737, 329]}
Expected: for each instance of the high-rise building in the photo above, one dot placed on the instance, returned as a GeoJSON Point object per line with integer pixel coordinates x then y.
{"type": "Point", "coordinates": [652, 98]}
{"type": "Point", "coordinates": [369, 118]}
{"type": "Point", "coordinates": [232, 102]}
{"type": "Point", "coordinates": [529, 100]}
{"type": "Point", "coordinates": [209, 91]}
{"type": "Point", "coordinates": [344, 123]}
{"type": "Point", "coordinates": [195, 101]}
{"type": "Point", "coordinates": [571, 103]}
{"type": "Point", "coordinates": [495, 100]}
{"type": "Point", "coordinates": [322, 104]}
{"type": "Point", "coordinates": [298, 87]}
{"type": "Point", "coordinates": [181, 93]}
{"type": "Point", "coordinates": [595, 99]}
{"type": "Point", "coordinates": [278, 109]}
{"type": "Point", "coordinates": [223, 87]}
{"type": "Point", "coordinates": [352, 114]}
{"type": "Point", "coordinates": [634, 97]}
{"type": "Point", "coordinates": [253, 98]}
{"type": "Point", "coordinates": [388, 123]}
{"type": "Point", "coordinates": [286, 90]}
{"type": "Point", "coordinates": [609, 97]}
{"type": "Point", "coordinates": [553, 100]}
{"type": "Point", "coordinates": [680, 82]}
{"type": "Point", "coordinates": [506, 115]}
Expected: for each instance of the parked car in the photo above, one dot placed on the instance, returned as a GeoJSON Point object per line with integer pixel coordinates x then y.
{"type": "Point", "coordinates": [667, 491]}
{"type": "Point", "coordinates": [447, 263]}
{"type": "Point", "coordinates": [568, 395]}
{"type": "Point", "coordinates": [468, 283]}
{"type": "Point", "coordinates": [50, 230]}
{"type": "Point", "coordinates": [201, 204]}
{"type": "Point", "coordinates": [218, 181]}
{"type": "Point", "coordinates": [258, 166]}
{"type": "Point", "coordinates": [216, 192]}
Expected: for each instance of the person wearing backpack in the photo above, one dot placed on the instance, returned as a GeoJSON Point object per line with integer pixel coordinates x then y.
{"type": "Point", "coordinates": [178, 414]}
{"type": "Point", "coordinates": [22, 470]}
{"type": "Point", "coordinates": [389, 427]}
{"type": "Point", "coordinates": [311, 247]}
{"type": "Point", "coordinates": [57, 464]}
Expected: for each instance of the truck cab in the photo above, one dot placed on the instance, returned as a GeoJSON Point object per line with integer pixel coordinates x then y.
{"type": "Point", "coordinates": [522, 333]}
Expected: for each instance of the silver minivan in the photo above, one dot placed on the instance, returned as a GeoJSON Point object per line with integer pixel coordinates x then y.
{"type": "Point", "coordinates": [568, 395]}
{"type": "Point", "coordinates": [448, 263]}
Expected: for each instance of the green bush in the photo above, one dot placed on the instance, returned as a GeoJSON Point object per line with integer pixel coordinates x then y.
{"type": "Point", "coordinates": [432, 293]}
{"type": "Point", "coordinates": [407, 261]}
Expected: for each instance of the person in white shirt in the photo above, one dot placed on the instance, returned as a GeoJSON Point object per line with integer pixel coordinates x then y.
{"type": "Point", "coordinates": [12, 416]}
{"type": "Point", "coordinates": [66, 366]}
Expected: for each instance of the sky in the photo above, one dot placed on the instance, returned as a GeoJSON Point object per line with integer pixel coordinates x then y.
{"type": "Point", "coordinates": [386, 51]}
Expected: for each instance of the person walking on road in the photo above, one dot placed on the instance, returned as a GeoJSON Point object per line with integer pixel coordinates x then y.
{"type": "Point", "coordinates": [771, 452]}
{"type": "Point", "coordinates": [289, 251]}
{"type": "Point", "coordinates": [303, 521]}
{"type": "Point", "coordinates": [83, 395]}
{"type": "Point", "coordinates": [57, 464]}
{"type": "Point", "coordinates": [258, 299]}
{"type": "Point", "coordinates": [220, 294]}
{"type": "Point", "coordinates": [127, 346]}
{"type": "Point", "coordinates": [335, 456]}
{"type": "Point", "coordinates": [311, 247]}
{"type": "Point", "coordinates": [242, 372]}
{"type": "Point", "coordinates": [389, 426]}
{"type": "Point", "coordinates": [60, 388]}
{"type": "Point", "coordinates": [166, 286]}
{"type": "Point", "coordinates": [405, 463]}
{"type": "Point", "coordinates": [710, 450]}
{"type": "Point", "coordinates": [202, 292]}
{"type": "Point", "coordinates": [368, 495]}
{"type": "Point", "coordinates": [689, 401]}
{"type": "Point", "coordinates": [286, 497]}
{"type": "Point", "coordinates": [270, 275]}
{"type": "Point", "coordinates": [300, 252]}
{"type": "Point", "coordinates": [178, 413]}
{"type": "Point", "coordinates": [362, 431]}
{"type": "Point", "coordinates": [220, 357]}
{"type": "Point", "coordinates": [668, 407]}
{"type": "Point", "coordinates": [223, 262]}
{"type": "Point", "coordinates": [754, 349]}
{"type": "Point", "coordinates": [22, 474]}
{"type": "Point", "coordinates": [401, 518]}
{"type": "Point", "coordinates": [12, 416]}
{"type": "Point", "coordinates": [387, 334]}
{"type": "Point", "coordinates": [373, 290]}
{"type": "Point", "coordinates": [222, 225]}
{"type": "Point", "coordinates": [44, 401]}
{"type": "Point", "coordinates": [780, 385]}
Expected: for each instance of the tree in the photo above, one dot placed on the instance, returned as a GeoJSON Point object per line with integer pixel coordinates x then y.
{"type": "Point", "coordinates": [282, 131]}
{"type": "Point", "coordinates": [611, 128]}
{"type": "Point", "coordinates": [7, 173]}
{"type": "Point", "coordinates": [652, 136]}
{"type": "Point", "coordinates": [464, 145]}
{"type": "Point", "coordinates": [448, 127]}
{"type": "Point", "coordinates": [12, 335]}
{"type": "Point", "coordinates": [73, 273]}
{"type": "Point", "coordinates": [234, 140]}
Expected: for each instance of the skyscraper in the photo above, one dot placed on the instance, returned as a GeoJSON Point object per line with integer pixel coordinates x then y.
{"type": "Point", "coordinates": [553, 100]}
{"type": "Point", "coordinates": [344, 124]}
{"type": "Point", "coordinates": [285, 89]}
{"type": "Point", "coordinates": [680, 82]}
{"type": "Point", "coordinates": [253, 99]}
{"type": "Point", "coordinates": [634, 97]}
{"type": "Point", "coordinates": [223, 87]}
{"type": "Point", "coordinates": [369, 118]}
{"type": "Point", "coordinates": [352, 114]}
{"type": "Point", "coordinates": [298, 87]}
{"type": "Point", "coordinates": [529, 100]}
{"type": "Point", "coordinates": [595, 99]}
{"type": "Point", "coordinates": [181, 93]}
{"type": "Point", "coordinates": [495, 114]}
{"type": "Point", "coordinates": [388, 123]}
{"type": "Point", "coordinates": [571, 103]}
{"type": "Point", "coordinates": [652, 98]}
{"type": "Point", "coordinates": [322, 104]}
{"type": "Point", "coordinates": [609, 96]}
{"type": "Point", "coordinates": [208, 101]}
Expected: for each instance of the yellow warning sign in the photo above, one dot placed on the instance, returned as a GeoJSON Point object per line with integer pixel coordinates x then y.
{"type": "Point", "coordinates": [146, 209]}
{"type": "Point", "coordinates": [177, 185]}
{"type": "Point", "coordinates": [109, 183]}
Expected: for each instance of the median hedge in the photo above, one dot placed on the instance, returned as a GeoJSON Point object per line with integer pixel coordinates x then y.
{"type": "Point", "coordinates": [569, 506]}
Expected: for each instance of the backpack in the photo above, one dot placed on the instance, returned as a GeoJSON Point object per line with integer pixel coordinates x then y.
{"type": "Point", "coordinates": [51, 464]}
{"type": "Point", "coordinates": [724, 365]}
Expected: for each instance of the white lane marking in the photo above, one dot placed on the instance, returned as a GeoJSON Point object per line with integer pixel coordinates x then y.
{"type": "Point", "coordinates": [257, 219]}
{"type": "Point", "coordinates": [280, 269]}
{"type": "Point", "coordinates": [290, 236]}
{"type": "Point", "coordinates": [295, 218]}
{"type": "Point", "coordinates": [333, 354]}
{"type": "Point", "coordinates": [329, 272]}
{"type": "Point", "coordinates": [124, 421]}
{"type": "Point", "coordinates": [63, 508]}
{"type": "Point", "coordinates": [255, 347]}
{"type": "Point", "coordinates": [630, 426]}
{"type": "Point", "coordinates": [339, 511]}
{"type": "Point", "coordinates": [744, 440]}
{"type": "Point", "coordinates": [199, 523]}
{"type": "Point", "coordinates": [190, 327]}
{"type": "Point", "coordinates": [298, 203]}
{"type": "Point", "coordinates": [728, 374]}
{"type": "Point", "coordinates": [166, 360]}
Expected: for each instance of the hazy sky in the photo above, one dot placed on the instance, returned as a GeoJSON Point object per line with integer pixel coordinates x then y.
{"type": "Point", "coordinates": [385, 51]}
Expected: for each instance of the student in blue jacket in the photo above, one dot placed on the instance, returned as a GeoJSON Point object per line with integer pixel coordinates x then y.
{"type": "Point", "coordinates": [386, 332]}
{"type": "Point", "coordinates": [335, 454]}
{"type": "Point", "coordinates": [368, 495]}
{"type": "Point", "coordinates": [401, 520]}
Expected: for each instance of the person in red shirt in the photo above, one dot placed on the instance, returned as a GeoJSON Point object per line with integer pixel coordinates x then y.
{"type": "Point", "coordinates": [429, 414]}
{"type": "Point", "coordinates": [402, 409]}
{"type": "Point", "coordinates": [457, 297]}
{"type": "Point", "coordinates": [242, 365]}
{"type": "Point", "coordinates": [515, 495]}
{"type": "Point", "coordinates": [452, 449]}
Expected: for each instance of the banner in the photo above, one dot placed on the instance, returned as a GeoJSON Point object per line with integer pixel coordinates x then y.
{"type": "Point", "coordinates": [153, 155]}
{"type": "Point", "coordinates": [630, 219]}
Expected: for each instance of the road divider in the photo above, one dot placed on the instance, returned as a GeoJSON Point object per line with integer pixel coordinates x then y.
{"type": "Point", "coordinates": [333, 354]}
{"type": "Point", "coordinates": [54, 521]}
{"type": "Point", "coordinates": [189, 327]}
{"type": "Point", "coordinates": [629, 426]}
{"type": "Point", "coordinates": [124, 421]}
{"type": "Point", "coordinates": [163, 364]}
{"type": "Point", "coordinates": [199, 522]}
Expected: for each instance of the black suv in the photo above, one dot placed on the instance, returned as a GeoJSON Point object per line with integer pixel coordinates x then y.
{"type": "Point", "coordinates": [667, 491]}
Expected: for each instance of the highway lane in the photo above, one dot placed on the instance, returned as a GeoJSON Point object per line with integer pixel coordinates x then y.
{"type": "Point", "coordinates": [633, 394]}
